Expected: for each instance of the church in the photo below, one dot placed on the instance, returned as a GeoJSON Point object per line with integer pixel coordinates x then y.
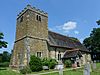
{"type": "Point", "coordinates": [34, 38]}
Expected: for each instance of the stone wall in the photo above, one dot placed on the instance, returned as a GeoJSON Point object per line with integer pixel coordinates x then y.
{"type": "Point", "coordinates": [37, 45]}
{"type": "Point", "coordinates": [38, 29]}
{"type": "Point", "coordinates": [18, 54]}
{"type": "Point", "coordinates": [54, 54]}
{"type": "Point", "coordinates": [31, 37]}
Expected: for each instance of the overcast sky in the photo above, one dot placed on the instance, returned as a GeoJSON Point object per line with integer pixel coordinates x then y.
{"type": "Point", "coordinates": [75, 18]}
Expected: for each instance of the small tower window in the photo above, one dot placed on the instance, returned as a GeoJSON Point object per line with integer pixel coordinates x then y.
{"type": "Point", "coordinates": [39, 18]}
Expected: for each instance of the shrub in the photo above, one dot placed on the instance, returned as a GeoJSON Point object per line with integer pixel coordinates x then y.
{"type": "Point", "coordinates": [49, 62]}
{"type": "Point", "coordinates": [4, 64]}
{"type": "Point", "coordinates": [52, 63]}
{"type": "Point", "coordinates": [25, 70]}
{"type": "Point", "coordinates": [68, 63]}
{"type": "Point", "coordinates": [35, 63]}
{"type": "Point", "coordinates": [45, 62]}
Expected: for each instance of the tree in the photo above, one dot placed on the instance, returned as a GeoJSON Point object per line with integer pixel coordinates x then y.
{"type": "Point", "coordinates": [93, 42]}
{"type": "Point", "coordinates": [2, 43]}
{"type": "Point", "coordinates": [6, 56]}
{"type": "Point", "coordinates": [0, 58]}
{"type": "Point", "coordinates": [88, 43]}
{"type": "Point", "coordinates": [5, 59]}
{"type": "Point", "coordinates": [98, 22]}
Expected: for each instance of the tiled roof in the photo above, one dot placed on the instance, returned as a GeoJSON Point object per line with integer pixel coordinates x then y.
{"type": "Point", "coordinates": [59, 40]}
{"type": "Point", "coordinates": [56, 39]}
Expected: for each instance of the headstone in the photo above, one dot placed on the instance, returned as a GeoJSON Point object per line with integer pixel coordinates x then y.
{"type": "Point", "coordinates": [59, 66]}
{"type": "Point", "coordinates": [87, 69]}
{"type": "Point", "coordinates": [93, 65]}
{"type": "Point", "coordinates": [60, 71]}
{"type": "Point", "coordinates": [45, 68]}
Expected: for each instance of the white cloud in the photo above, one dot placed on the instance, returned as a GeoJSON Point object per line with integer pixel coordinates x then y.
{"type": "Point", "coordinates": [66, 27]}
{"type": "Point", "coordinates": [76, 32]}
{"type": "Point", "coordinates": [69, 26]}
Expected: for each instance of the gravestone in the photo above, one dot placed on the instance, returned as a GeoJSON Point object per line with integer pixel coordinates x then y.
{"type": "Point", "coordinates": [60, 71]}
{"type": "Point", "coordinates": [45, 68]}
{"type": "Point", "coordinates": [87, 69]}
{"type": "Point", "coordinates": [59, 66]}
{"type": "Point", "coordinates": [93, 65]}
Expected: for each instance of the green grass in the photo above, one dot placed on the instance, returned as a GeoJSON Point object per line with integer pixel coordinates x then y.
{"type": "Point", "coordinates": [43, 71]}
{"type": "Point", "coordinates": [98, 65]}
{"type": "Point", "coordinates": [7, 71]}
{"type": "Point", "coordinates": [78, 72]}
{"type": "Point", "coordinates": [73, 73]}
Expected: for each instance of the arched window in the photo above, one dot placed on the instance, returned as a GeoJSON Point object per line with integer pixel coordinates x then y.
{"type": "Point", "coordinates": [39, 18]}
{"type": "Point", "coordinates": [59, 55]}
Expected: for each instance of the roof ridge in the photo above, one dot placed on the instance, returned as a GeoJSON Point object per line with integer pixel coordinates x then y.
{"type": "Point", "coordinates": [59, 34]}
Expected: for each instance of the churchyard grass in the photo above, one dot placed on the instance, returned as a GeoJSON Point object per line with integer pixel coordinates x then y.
{"type": "Point", "coordinates": [71, 72]}
{"type": "Point", "coordinates": [7, 71]}
{"type": "Point", "coordinates": [78, 71]}
{"type": "Point", "coordinates": [98, 65]}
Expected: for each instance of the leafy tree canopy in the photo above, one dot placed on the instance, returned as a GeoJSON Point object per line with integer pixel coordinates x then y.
{"type": "Point", "coordinates": [2, 43]}
{"type": "Point", "coordinates": [5, 57]}
{"type": "Point", "coordinates": [98, 22]}
{"type": "Point", "coordinates": [93, 42]}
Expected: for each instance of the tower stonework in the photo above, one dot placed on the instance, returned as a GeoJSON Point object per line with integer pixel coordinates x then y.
{"type": "Point", "coordinates": [31, 36]}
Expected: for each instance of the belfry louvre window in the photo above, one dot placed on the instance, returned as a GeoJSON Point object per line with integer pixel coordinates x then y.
{"type": "Point", "coordinates": [38, 18]}
{"type": "Point", "coordinates": [39, 54]}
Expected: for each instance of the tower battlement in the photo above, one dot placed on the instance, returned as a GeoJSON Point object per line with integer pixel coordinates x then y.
{"type": "Point", "coordinates": [34, 9]}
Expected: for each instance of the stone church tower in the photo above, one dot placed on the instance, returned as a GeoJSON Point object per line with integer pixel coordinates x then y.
{"type": "Point", "coordinates": [31, 36]}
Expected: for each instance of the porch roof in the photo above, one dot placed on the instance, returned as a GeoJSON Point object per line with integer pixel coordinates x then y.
{"type": "Point", "coordinates": [72, 54]}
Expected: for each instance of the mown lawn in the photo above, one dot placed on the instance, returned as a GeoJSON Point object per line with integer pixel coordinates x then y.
{"type": "Point", "coordinates": [7, 71]}
{"type": "Point", "coordinates": [78, 72]}
{"type": "Point", "coordinates": [98, 65]}
{"type": "Point", "coordinates": [71, 72]}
